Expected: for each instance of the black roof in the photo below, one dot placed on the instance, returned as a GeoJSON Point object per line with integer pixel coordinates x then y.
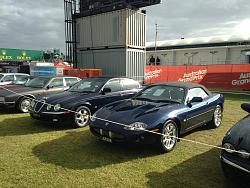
{"type": "Point", "coordinates": [185, 85]}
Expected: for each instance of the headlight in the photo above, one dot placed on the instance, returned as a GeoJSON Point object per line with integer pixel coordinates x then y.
{"type": "Point", "coordinates": [57, 107]}
{"type": "Point", "coordinates": [49, 107]}
{"type": "Point", "coordinates": [137, 126]}
{"type": "Point", "coordinates": [229, 148]}
{"type": "Point", "coordinates": [93, 118]}
{"type": "Point", "coordinates": [244, 154]}
{"type": "Point", "coordinates": [32, 104]}
{"type": "Point", "coordinates": [2, 99]}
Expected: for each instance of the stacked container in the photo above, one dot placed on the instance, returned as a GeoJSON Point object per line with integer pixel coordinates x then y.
{"type": "Point", "coordinates": [114, 42]}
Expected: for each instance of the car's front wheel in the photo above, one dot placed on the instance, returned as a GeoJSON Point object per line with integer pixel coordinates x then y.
{"type": "Point", "coordinates": [24, 105]}
{"type": "Point", "coordinates": [169, 137]}
{"type": "Point", "coordinates": [82, 116]}
{"type": "Point", "coordinates": [217, 117]}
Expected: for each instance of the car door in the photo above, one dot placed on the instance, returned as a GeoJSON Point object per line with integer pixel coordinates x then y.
{"type": "Point", "coordinates": [129, 88]}
{"type": "Point", "coordinates": [56, 85]}
{"type": "Point", "coordinates": [198, 112]}
{"type": "Point", "coordinates": [103, 99]}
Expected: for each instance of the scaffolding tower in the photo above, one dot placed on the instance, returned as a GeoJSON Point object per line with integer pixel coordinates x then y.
{"type": "Point", "coordinates": [70, 11]}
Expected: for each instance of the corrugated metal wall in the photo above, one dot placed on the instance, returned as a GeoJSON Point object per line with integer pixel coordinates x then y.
{"type": "Point", "coordinates": [122, 28]}
{"type": "Point", "coordinates": [114, 42]}
{"type": "Point", "coordinates": [135, 64]}
{"type": "Point", "coordinates": [112, 62]}
{"type": "Point", "coordinates": [136, 29]}
{"type": "Point", "coordinates": [115, 62]}
{"type": "Point", "coordinates": [201, 56]}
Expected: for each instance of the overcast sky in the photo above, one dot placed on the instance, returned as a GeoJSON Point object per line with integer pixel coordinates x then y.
{"type": "Point", "coordinates": [39, 24]}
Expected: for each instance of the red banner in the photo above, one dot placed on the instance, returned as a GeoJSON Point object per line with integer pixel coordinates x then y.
{"type": "Point", "coordinates": [236, 77]}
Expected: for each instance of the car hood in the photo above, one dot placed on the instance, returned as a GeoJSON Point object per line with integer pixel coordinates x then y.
{"type": "Point", "coordinates": [66, 97]}
{"type": "Point", "coordinates": [10, 91]}
{"type": "Point", "coordinates": [131, 110]}
{"type": "Point", "coordinates": [239, 135]}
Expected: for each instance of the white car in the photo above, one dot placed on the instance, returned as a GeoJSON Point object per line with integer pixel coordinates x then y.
{"type": "Point", "coordinates": [9, 78]}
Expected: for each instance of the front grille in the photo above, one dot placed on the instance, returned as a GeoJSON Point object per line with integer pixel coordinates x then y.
{"type": "Point", "coordinates": [39, 105]}
{"type": "Point", "coordinates": [109, 134]}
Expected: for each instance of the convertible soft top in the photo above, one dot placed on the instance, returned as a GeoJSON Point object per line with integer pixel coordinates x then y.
{"type": "Point", "coordinates": [185, 85]}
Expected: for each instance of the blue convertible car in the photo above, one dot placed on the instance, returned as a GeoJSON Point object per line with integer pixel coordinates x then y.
{"type": "Point", "coordinates": [170, 109]}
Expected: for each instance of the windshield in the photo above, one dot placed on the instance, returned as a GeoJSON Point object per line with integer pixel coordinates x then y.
{"type": "Point", "coordinates": [88, 85]}
{"type": "Point", "coordinates": [21, 80]}
{"type": "Point", "coordinates": [1, 76]}
{"type": "Point", "coordinates": [162, 93]}
{"type": "Point", "coordinates": [37, 82]}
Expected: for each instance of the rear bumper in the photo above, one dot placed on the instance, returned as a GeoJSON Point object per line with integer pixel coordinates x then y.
{"type": "Point", "coordinates": [56, 117]}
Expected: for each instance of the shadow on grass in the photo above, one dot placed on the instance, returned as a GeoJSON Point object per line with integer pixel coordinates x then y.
{"type": "Point", "coordinates": [236, 97]}
{"type": "Point", "coordinates": [25, 126]}
{"type": "Point", "coordinates": [200, 171]}
{"type": "Point", "coordinates": [81, 150]}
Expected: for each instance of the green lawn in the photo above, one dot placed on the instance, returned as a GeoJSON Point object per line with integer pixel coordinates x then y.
{"type": "Point", "coordinates": [37, 155]}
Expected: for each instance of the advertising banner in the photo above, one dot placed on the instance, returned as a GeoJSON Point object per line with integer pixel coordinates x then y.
{"type": "Point", "coordinates": [234, 77]}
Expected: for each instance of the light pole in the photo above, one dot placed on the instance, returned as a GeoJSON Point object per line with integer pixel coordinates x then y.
{"type": "Point", "coordinates": [156, 35]}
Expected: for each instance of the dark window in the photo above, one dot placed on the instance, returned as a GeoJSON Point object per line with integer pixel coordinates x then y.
{"type": "Point", "coordinates": [8, 78]}
{"type": "Point", "coordinates": [71, 81]}
{"type": "Point", "coordinates": [114, 85]}
{"type": "Point", "coordinates": [128, 84]}
{"type": "Point", "coordinates": [57, 82]}
{"type": "Point", "coordinates": [21, 79]}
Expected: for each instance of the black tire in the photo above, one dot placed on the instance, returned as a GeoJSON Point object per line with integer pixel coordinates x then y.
{"type": "Point", "coordinates": [24, 105]}
{"type": "Point", "coordinates": [82, 116]}
{"type": "Point", "coordinates": [217, 118]}
{"type": "Point", "coordinates": [165, 143]}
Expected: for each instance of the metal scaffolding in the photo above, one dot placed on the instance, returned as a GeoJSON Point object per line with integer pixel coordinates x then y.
{"type": "Point", "coordinates": [70, 11]}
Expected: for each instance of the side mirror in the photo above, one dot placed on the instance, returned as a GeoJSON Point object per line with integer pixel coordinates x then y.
{"type": "Point", "coordinates": [105, 90]}
{"type": "Point", "coordinates": [194, 99]}
{"type": "Point", "coordinates": [49, 87]}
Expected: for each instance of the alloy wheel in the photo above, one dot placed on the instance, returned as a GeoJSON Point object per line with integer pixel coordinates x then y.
{"type": "Point", "coordinates": [170, 136]}
{"type": "Point", "coordinates": [82, 116]}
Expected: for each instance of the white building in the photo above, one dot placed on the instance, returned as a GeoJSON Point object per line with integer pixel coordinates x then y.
{"type": "Point", "coordinates": [227, 49]}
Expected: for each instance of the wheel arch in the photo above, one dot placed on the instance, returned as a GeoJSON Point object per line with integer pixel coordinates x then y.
{"type": "Point", "coordinates": [21, 97]}
{"type": "Point", "coordinates": [177, 122]}
{"type": "Point", "coordinates": [85, 104]}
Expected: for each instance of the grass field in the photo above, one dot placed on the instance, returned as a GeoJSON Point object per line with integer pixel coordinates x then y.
{"type": "Point", "coordinates": [34, 154]}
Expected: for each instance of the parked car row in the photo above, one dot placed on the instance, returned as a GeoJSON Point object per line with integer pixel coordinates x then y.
{"type": "Point", "coordinates": [20, 97]}
{"type": "Point", "coordinates": [121, 110]}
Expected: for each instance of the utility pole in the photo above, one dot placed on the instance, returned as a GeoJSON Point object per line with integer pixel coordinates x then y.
{"type": "Point", "coordinates": [156, 35]}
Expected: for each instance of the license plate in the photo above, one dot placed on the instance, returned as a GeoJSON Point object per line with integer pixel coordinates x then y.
{"type": "Point", "coordinates": [106, 139]}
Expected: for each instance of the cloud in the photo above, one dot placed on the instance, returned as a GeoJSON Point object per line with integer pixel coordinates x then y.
{"type": "Point", "coordinates": [196, 18]}
{"type": "Point", "coordinates": [32, 24]}
{"type": "Point", "coordinates": [39, 24]}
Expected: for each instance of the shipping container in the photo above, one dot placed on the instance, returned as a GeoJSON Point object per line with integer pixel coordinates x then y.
{"type": "Point", "coordinates": [83, 73]}
{"type": "Point", "coordinates": [122, 28]}
{"type": "Point", "coordinates": [115, 62]}
{"type": "Point", "coordinates": [46, 71]}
